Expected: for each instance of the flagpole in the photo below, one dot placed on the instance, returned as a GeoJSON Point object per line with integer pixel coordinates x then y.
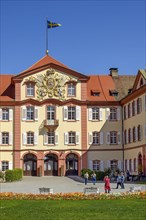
{"type": "Point", "coordinates": [47, 51]}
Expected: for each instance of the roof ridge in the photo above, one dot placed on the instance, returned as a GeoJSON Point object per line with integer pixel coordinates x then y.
{"type": "Point", "coordinates": [34, 64]}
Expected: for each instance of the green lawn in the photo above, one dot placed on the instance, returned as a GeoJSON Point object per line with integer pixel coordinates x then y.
{"type": "Point", "coordinates": [127, 209]}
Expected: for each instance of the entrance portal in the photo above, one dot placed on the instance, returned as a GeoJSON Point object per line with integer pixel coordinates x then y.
{"type": "Point", "coordinates": [71, 164]}
{"type": "Point", "coordinates": [51, 165]}
{"type": "Point", "coordinates": [30, 165]}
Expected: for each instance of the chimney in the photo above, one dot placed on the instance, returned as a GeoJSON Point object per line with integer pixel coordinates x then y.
{"type": "Point", "coordinates": [114, 72]}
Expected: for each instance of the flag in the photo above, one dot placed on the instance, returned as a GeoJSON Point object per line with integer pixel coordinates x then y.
{"type": "Point", "coordinates": [52, 24]}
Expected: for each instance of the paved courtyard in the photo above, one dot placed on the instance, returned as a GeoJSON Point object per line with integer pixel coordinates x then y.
{"type": "Point", "coordinates": [58, 184]}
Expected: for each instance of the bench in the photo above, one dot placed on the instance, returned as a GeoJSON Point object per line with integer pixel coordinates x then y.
{"type": "Point", "coordinates": [91, 190]}
{"type": "Point", "coordinates": [135, 189]}
{"type": "Point", "coordinates": [46, 190]}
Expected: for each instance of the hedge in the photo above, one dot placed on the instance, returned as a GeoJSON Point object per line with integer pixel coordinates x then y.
{"type": "Point", "coordinates": [13, 175]}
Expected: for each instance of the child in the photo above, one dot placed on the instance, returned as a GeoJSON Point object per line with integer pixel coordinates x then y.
{"type": "Point", "coordinates": [107, 184]}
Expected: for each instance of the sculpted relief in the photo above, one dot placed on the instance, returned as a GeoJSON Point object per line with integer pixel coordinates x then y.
{"type": "Point", "coordinates": [50, 84]}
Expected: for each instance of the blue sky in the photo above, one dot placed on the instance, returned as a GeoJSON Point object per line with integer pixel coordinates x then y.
{"type": "Point", "coordinates": [94, 36]}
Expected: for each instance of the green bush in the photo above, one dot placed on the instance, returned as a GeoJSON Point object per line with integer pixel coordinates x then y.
{"type": "Point", "coordinates": [100, 175]}
{"type": "Point", "coordinates": [83, 171]}
{"type": "Point", "coordinates": [13, 175]}
{"type": "Point", "coordinates": [2, 175]}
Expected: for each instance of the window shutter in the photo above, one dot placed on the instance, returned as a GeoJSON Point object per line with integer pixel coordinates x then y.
{"type": "Point", "coordinates": [107, 113]}
{"type": "Point", "coordinates": [108, 164]}
{"type": "Point", "coordinates": [119, 137]}
{"type": "Point", "coordinates": [131, 135]}
{"type": "Point", "coordinates": [10, 138]}
{"type": "Point", "coordinates": [90, 114]}
{"type": "Point", "coordinates": [35, 138]}
{"type": "Point", "coordinates": [0, 138]}
{"type": "Point", "coordinates": [10, 114]}
{"type": "Point", "coordinates": [141, 132]}
{"type": "Point", "coordinates": [77, 137]}
{"type": "Point", "coordinates": [119, 165]}
{"type": "Point", "coordinates": [78, 110]}
{"type": "Point", "coordinates": [65, 113]}
{"type": "Point", "coordinates": [0, 114]}
{"type": "Point", "coordinates": [101, 165]}
{"type": "Point", "coordinates": [90, 165]}
{"type": "Point", "coordinates": [127, 137]}
{"type": "Point", "coordinates": [132, 165]}
{"type": "Point", "coordinates": [101, 137]}
{"type": "Point", "coordinates": [66, 138]}
{"type": "Point", "coordinates": [10, 165]}
{"type": "Point", "coordinates": [100, 114]}
{"type": "Point", "coordinates": [56, 138]}
{"type": "Point", "coordinates": [126, 111]}
{"type": "Point", "coordinates": [36, 113]}
{"type": "Point", "coordinates": [107, 137]}
{"type": "Point", "coordinates": [136, 165]}
{"type": "Point", "coordinates": [45, 138]}
{"type": "Point", "coordinates": [24, 138]}
{"type": "Point", "coordinates": [136, 134]}
{"type": "Point", "coordinates": [127, 164]}
{"type": "Point", "coordinates": [144, 131]}
{"type": "Point", "coordinates": [140, 100]}
{"type": "Point", "coordinates": [90, 138]}
{"type": "Point", "coordinates": [24, 113]}
{"type": "Point", "coordinates": [135, 107]}
{"type": "Point", "coordinates": [118, 114]}
{"type": "Point", "coordinates": [130, 110]}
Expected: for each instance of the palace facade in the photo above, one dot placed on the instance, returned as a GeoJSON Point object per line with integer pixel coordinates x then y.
{"type": "Point", "coordinates": [56, 121]}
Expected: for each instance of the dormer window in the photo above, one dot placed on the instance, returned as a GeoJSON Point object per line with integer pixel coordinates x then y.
{"type": "Point", "coordinates": [95, 93]}
{"type": "Point", "coordinates": [30, 89]}
{"type": "Point", "coordinates": [129, 91]}
{"type": "Point", "coordinates": [113, 92]}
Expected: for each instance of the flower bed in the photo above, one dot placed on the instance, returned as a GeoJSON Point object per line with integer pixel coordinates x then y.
{"type": "Point", "coordinates": [71, 196]}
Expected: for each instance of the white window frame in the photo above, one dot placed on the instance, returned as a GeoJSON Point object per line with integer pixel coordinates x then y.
{"type": "Point", "coordinates": [30, 113]}
{"type": "Point", "coordinates": [5, 138]}
{"type": "Point", "coordinates": [96, 165]}
{"type": "Point", "coordinates": [113, 137]}
{"type": "Point", "coordinates": [5, 114]}
{"type": "Point", "coordinates": [113, 114]}
{"type": "Point", "coordinates": [30, 89]}
{"type": "Point", "coordinates": [71, 89]}
{"type": "Point", "coordinates": [95, 114]}
{"type": "Point", "coordinates": [71, 113]}
{"type": "Point", "coordinates": [51, 138]}
{"type": "Point", "coordinates": [5, 165]}
{"type": "Point", "coordinates": [71, 137]}
{"type": "Point", "coordinates": [96, 138]}
{"type": "Point", "coordinates": [30, 138]}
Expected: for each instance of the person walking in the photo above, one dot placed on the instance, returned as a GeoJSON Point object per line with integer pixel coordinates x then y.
{"type": "Point", "coordinates": [94, 178]}
{"type": "Point", "coordinates": [107, 184]}
{"type": "Point", "coordinates": [86, 176]}
{"type": "Point", "coordinates": [118, 181]}
{"type": "Point", "coordinates": [122, 180]}
{"type": "Point", "coordinates": [128, 175]}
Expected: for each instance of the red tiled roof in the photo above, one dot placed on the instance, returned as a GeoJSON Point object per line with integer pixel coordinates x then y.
{"type": "Point", "coordinates": [103, 84]}
{"type": "Point", "coordinates": [44, 61]}
{"type": "Point", "coordinates": [7, 90]}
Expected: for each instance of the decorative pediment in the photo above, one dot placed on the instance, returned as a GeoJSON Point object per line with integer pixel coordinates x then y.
{"type": "Point", "coordinates": [51, 84]}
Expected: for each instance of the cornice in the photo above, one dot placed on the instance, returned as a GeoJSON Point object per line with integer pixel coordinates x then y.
{"type": "Point", "coordinates": [26, 73]}
{"type": "Point", "coordinates": [60, 103]}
